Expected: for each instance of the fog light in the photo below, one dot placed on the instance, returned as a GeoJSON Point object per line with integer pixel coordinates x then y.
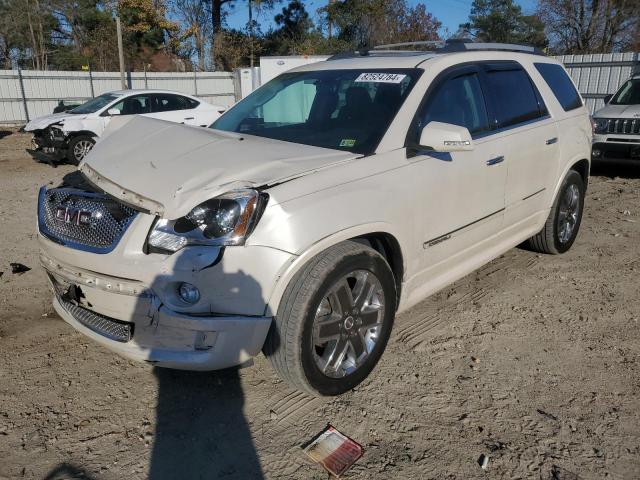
{"type": "Point", "coordinates": [189, 293]}
{"type": "Point", "coordinates": [595, 153]}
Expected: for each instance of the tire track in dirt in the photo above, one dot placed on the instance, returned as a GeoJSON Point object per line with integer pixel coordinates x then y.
{"type": "Point", "coordinates": [464, 293]}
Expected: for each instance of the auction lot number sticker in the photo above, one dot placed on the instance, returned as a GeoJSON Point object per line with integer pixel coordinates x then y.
{"type": "Point", "coordinates": [380, 77]}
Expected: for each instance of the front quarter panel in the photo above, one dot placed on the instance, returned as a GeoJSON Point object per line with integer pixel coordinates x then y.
{"type": "Point", "coordinates": [382, 200]}
{"type": "Point", "coordinates": [89, 124]}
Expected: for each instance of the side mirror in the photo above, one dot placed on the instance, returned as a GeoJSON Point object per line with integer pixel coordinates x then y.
{"type": "Point", "coordinates": [113, 111]}
{"type": "Point", "coordinates": [445, 137]}
{"type": "Point", "coordinates": [608, 98]}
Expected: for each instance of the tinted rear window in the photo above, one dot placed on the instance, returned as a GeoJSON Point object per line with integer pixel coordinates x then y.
{"type": "Point", "coordinates": [514, 98]}
{"type": "Point", "coordinates": [560, 84]}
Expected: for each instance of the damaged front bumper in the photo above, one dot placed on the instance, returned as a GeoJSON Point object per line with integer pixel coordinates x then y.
{"type": "Point", "coordinates": [51, 142]}
{"type": "Point", "coordinates": [96, 305]}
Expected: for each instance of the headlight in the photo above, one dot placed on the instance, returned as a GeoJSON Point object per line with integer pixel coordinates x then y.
{"type": "Point", "coordinates": [600, 125]}
{"type": "Point", "coordinates": [225, 220]}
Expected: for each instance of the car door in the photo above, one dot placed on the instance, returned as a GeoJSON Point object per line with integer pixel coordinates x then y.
{"type": "Point", "coordinates": [174, 108]}
{"type": "Point", "coordinates": [530, 136]}
{"type": "Point", "coordinates": [463, 193]}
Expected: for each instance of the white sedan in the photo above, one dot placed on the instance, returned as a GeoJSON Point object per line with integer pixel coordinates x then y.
{"type": "Point", "coordinates": [71, 135]}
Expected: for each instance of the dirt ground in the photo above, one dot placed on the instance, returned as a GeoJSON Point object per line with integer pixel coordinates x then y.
{"type": "Point", "coordinates": [533, 361]}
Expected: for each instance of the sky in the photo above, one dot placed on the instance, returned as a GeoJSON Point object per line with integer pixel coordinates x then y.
{"type": "Point", "coordinates": [450, 12]}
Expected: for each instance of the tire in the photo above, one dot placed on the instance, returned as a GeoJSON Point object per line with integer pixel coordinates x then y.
{"type": "Point", "coordinates": [553, 239]}
{"type": "Point", "coordinates": [79, 147]}
{"type": "Point", "coordinates": [306, 317]}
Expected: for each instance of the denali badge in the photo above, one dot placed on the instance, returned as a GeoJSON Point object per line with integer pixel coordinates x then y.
{"type": "Point", "coordinates": [73, 215]}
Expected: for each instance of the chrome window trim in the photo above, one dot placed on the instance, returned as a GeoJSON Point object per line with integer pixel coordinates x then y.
{"type": "Point", "coordinates": [510, 127]}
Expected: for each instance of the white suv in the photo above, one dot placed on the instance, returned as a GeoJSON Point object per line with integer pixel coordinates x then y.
{"type": "Point", "coordinates": [617, 125]}
{"type": "Point", "coordinates": [314, 210]}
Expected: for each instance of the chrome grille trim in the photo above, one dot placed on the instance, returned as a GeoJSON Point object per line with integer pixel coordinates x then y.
{"type": "Point", "coordinates": [623, 126]}
{"type": "Point", "coordinates": [104, 219]}
{"type": "Point", "coordinates": [105, 326]}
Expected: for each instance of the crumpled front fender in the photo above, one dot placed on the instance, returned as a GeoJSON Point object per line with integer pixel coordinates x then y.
{"type": "Point", "coordinates": [71, 126]}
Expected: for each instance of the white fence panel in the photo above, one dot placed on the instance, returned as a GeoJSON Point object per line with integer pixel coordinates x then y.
{"type": "Point", "coordinates": [44, 89]}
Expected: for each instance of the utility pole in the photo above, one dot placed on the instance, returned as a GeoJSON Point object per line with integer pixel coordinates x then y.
{"type": "Point", "coordinates": [330, 23]}
{"type": "Point", "coordinates": [251, 34]}
{"type": "Point", "coordinates": [120, 53]}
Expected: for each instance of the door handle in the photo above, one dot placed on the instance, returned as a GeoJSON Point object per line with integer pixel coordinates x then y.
{"type": "Point", "coordinates": [551, 141]}
{"type": "Point", "coordinates": [495, 161]}
{"type": "Point", "coordinates": [189, 118]}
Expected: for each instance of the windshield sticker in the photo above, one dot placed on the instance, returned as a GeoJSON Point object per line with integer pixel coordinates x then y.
{"type": "Point", "coordinates": [380, 77]}
{"type": "Point", "coordinates": [347, 142]}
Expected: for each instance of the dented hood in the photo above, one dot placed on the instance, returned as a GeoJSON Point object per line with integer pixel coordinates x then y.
{"type": "Point", "coordinates": [43, 122]}
{"type": "Point", "coordinates": [168, 169]}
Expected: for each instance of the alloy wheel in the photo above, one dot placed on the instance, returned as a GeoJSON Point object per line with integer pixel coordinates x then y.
{"type": "Point", "coordinates": [347, 323]}
{"type": "Point", "coordinates": [81, 148]}
{"type": "Point", "coordinates": [568, 213]}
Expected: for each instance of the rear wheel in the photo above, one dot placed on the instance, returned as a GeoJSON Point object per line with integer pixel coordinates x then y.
{"type": "Point", "coordinates": [334, 320]}
{"type": "Point", "coordinates": [79, 147]}
{"type": "Point", "coordinates": [563, 223]}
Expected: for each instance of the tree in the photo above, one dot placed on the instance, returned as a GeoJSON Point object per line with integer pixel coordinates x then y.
{"type": "Point", "coordinates": [194, 16]}
{"type": "Point", "coordinates": [294, 21]}
{"type": "Point", "coordinates": [503, 21]}
{"type": "Point", "coordinates": [373, 22]}
{"type": "Point", "coordinates": [293, 27]}
{"type": "Point", "coordinates": [591, 26]}
{"type": "Point", "coordinates": [82, 34]}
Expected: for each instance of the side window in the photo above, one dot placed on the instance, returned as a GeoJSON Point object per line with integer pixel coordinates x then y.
{"type": "Point", "coordinates": [458, 101]}
{"type": "Point", "coordinates": [167, 103]}
{"type": "Point", "coordinates": [560, 84]}
{"type": "Point", "coordinates": [189, 102]}
{"type": "Point", "coordinates": [135, 105]}
{"type": "Point", "coordinates": [514, 98]}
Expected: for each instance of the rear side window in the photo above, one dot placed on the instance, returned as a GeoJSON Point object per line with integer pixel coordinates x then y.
{"type": "Point", "coordinates": [189, 102]}
{"type": "Point", "coordinates": [459, 101]}
{"type": "Point", "coordinates": [514, 98]}
{"type": "Point", "coordinates": [168, 103]}
{"type": "Point", "coordinates": [560, 84]}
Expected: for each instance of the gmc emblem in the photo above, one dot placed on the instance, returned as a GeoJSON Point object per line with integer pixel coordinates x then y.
{"type": "Point", "coordinates": [74, 216]}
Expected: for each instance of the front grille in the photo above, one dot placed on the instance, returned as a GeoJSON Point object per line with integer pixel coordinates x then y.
{"type": "Point", "coordinates": [83, 220]}
{"type": "Point", "coordinates": [105, 326]}
{"type": "Point", "coordinates": [629, 126]}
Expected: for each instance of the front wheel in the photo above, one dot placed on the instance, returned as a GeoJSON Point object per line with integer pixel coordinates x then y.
{"type": "Point", "coordinates": [79, 147]}
{"type": "Point", "coordinates": [334, 320]}
{"type": "Point", "coordinates": [563, 223]}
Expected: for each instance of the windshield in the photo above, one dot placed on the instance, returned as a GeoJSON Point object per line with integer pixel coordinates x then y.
{"type": "Point", "coordinates": [629, 93]}
{"type": "Point", "coordinates": [339, 109]}
{"type": "Point", "coordinates": [95, 104]}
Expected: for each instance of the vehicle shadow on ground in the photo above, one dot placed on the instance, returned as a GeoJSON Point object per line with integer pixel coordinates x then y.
{"type": "Point", "coordinates": [625, 169]}
{"type": "Point", "coordinates": [201, 431]}
{"type": "Point", "coordinates": [200, 428]}
{"type": "Point", "coordinates": [68, 471]}
{"type": "Point", "coordinates": [5, 133]}
{"type": "Point", "coordinates": [40, 157]}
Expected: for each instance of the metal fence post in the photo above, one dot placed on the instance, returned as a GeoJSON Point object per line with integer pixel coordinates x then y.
{"type": "Point", "coordinates": [93, 95]}
{"type": "Point", "coordinates": [24, 98]}
{"type": "Point", "coordinates": [146, 85]}
{"type": "Point", "coordinates": [237, 85]}
{"type": "Point", "coordinates": [195, 81]}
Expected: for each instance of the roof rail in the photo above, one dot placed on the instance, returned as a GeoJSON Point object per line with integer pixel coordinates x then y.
{"type": "Point", "coordinates": [451, 45]}
{"type": "Point", "coordinates": [464, 45]}
{"type": "Point", "coordinates": [431, 43]}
